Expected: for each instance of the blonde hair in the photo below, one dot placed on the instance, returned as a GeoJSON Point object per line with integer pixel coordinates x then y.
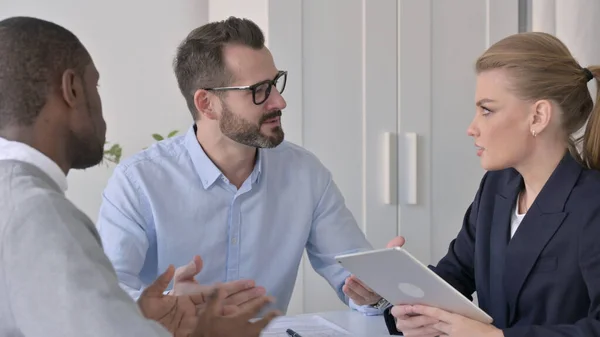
{"type": "Point", "coordinates": [540, 66]}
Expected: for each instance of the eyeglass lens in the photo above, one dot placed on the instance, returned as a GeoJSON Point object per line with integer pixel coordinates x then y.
{"type": "Point", "coordinates": [262, 92]}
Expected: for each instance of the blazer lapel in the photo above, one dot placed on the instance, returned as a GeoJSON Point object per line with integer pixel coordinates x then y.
{"type": "Point", "coordinates": [542, 220]}
{"type": "Point", "coordinates": [500, 233]}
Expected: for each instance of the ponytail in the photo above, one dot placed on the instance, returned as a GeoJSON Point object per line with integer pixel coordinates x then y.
{"type": "Point", "coordinates": [591, 137]}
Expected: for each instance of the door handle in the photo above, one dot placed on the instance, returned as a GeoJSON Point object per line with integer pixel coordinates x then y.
{"type": "Point", "coordinates": [389, 168]}
{"type": "Point", "coordinates": [411, 141]}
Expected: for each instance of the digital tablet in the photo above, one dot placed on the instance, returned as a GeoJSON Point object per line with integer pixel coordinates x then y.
{"type": "Point", "coordinates": [400, 278]}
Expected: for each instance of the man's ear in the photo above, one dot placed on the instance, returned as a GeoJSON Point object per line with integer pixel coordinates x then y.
{"type": "Point", "coordinates": [71, 87]}
{"type": "Point", "coordinates": [541, 116]}
{"type": "Point", "coordinates": [204, 103]}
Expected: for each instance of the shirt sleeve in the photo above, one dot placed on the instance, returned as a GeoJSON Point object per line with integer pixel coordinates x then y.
{"type": "Point", "coordinates": [334, 231]}
{"type": "Point", "coordinates": [366, 309]}
{"type": "Point", "coordinates": [59, 282]}
{"type": "Point", "coordinates": [122, 227]}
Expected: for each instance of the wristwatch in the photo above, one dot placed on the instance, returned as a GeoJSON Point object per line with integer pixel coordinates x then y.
{"type": "Point", "coordinates": [381, 304]}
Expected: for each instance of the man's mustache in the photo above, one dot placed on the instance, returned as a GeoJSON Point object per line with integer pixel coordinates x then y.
{"type": "Point", "coordinates": [273, 114]}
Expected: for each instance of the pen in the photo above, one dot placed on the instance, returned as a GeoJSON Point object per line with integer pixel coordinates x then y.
{"type": "Point", "coordinates": [292, 333]}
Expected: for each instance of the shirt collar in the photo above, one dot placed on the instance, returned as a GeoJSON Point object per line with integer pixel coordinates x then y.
{"type": "Point", "coordinates": [206, 169]}
{"type": "Point", "coordinates": [258, 166]}
{"type": "Point", "coordinates": [12, 150]}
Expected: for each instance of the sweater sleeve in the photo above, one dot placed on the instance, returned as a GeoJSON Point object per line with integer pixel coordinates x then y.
{"type": "Point", "coordinates": [57, 279]}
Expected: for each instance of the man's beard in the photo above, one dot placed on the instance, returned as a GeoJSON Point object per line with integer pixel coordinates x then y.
{"type": "Point", "coordinates": [244, 132]}
{"type": "Point", "coordinates": [87, 150]}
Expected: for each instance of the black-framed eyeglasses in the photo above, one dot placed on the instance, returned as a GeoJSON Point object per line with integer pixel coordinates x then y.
{"type": "Point", "coordinates": [260, 90]}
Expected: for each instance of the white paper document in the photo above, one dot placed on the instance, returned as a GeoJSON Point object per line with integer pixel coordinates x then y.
{"type": "Point", "coordinates": [305, 326]}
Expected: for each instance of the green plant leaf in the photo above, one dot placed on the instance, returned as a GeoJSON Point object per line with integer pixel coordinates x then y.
{"type": "Point", "coordinates": [113, 154]}
{"type": "Point", "coordinates": [172, 133]}
{"type": "Point", "coordinates": [157, 137]}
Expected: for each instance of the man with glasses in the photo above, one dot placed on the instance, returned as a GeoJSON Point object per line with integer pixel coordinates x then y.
{"type": "Point", "coordinates": [230, 190]}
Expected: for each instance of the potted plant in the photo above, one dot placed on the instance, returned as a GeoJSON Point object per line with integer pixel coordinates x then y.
{"type": "Point", "coordinates": [115, 151]}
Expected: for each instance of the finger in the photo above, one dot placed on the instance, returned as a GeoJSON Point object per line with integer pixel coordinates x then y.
{"type": "Point", "coordinates": [229, 310]}
{"type": "Point", "coordinates": [408, 323]}
{"type": "Point", "coordinates": [360, 290]}
{"type": "Point", "coordinates": [244, 296]}
{"type": "Point", "coordinates": [443, 327]}
{"type": "Point", "coordinates": [262, 323]}
{"type": "Point", "coordinates": [440, 314]}
{"type": "Point", "coordinates": [426, 331]}
{"type": "Point", "coordinates": [189, 270]}
{"type": "Point", "coordinates": [199, 298]}
{"type": "Point", "coordinates": [215, 302]}
{"type": "Point", "coordinates": [252, 307]}
{"type": "Point", "coordinates": [353, 295]}
{"type": "Point", "coordinates": [159, 286]}
{"type": "Point", "coordinates": [187, 326]}
{"type": "Point", "coordinates": [398, 241]}
{"type": "Point", "coordinates": [237, 286]}
{"type": "Point", "coordinates": [361, 283]}
{"type": "Point", "coordinates": [188, 322]}
{"type": "Point", "coordinates": [201, 308]}
{"type": "Point", "coordinates": [401, 310]}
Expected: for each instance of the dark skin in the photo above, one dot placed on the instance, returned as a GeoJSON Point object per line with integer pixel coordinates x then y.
{"type": "Point", "coordinates": [67, 111]}
{"type": "Point", "coordinates": [70, 130]}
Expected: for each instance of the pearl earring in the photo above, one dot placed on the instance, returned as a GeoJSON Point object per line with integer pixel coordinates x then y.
{"type": "Point", "coordinates": [533, 133]}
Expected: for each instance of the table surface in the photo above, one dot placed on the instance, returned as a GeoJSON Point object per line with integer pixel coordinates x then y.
{"type": "Point", "coordinates": [357, 323]}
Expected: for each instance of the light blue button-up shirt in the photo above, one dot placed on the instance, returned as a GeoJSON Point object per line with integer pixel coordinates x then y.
{"type": "Point", "coordinates": [170, 202]}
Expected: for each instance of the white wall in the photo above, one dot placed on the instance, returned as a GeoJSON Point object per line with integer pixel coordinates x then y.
{"type": "Point", "coordinates": [459, 35]}
{"type": "Point", "coordinates": [576, 23]}
{"type": "Point", "coordinates": [256, 10]}
{"type": "Point", "coordinates": [132, 43]}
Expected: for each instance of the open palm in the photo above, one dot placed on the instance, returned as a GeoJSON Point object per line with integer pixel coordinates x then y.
{"type": "Point", "coordinates": [178, 314]}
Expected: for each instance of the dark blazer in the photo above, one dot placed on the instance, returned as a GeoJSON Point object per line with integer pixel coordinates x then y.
{"type": "Point", "coordinates": [545, 281]}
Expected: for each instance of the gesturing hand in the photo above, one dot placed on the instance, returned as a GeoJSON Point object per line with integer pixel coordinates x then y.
{"type": "Point", "coordinates": [176, 313]}
{"type": "Point", "coordinates": [211, 322]}
{"type": "Point", "coordinates": [238, 293]}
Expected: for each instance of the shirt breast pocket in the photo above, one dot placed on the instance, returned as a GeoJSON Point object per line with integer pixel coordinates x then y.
{"type": "Point", "coordinates": [545, 264]}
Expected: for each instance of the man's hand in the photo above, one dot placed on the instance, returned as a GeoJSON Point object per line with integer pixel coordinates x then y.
{"type": "Point", "coordinates": [238, 292]}
{"type": "Point", "coordinates": [448, 324]}
{"type": "Point", "coordinates": [358, 291]}
{"type": "Point", "coordinates": [211, 323]}
{"type": "Point", "coordinates": [176, 313]}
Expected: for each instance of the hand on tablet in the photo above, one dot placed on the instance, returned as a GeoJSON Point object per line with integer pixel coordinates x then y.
{"type": "Point", "coordinates": [359, 292]}
{"type": "Point", "coordinates": [433, 322]}
{"type": "Point", "coordinates": [411, 324]}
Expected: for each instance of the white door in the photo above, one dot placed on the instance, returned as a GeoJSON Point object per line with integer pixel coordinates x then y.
{"type": "Point", "coordinates": [439, 42]}
{"type": "Point", "coordinates": [375, 71]}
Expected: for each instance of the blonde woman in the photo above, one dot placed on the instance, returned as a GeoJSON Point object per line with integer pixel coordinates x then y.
{"type": "Point", "coordinates": [529, 242]}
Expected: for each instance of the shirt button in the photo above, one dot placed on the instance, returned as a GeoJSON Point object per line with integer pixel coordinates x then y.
{"type": "Point", "coordinates": [234, 241]}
